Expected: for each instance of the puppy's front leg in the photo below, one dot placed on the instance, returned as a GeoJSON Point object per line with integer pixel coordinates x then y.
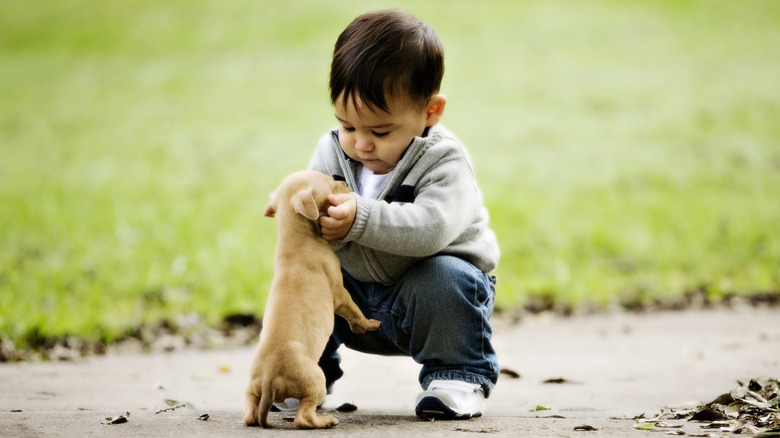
{"type": "Point", "coordinates": [346, 308]}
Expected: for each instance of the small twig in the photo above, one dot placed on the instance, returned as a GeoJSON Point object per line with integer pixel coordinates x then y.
{"type": "Point", "coordinates": [171, 408]}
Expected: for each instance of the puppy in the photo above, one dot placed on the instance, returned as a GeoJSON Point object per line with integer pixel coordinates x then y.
{"type": "Point", "coordinates": [306, 291]}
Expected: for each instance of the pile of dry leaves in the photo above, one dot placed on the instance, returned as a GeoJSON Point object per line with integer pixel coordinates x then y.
{"type": "Point", "coordinates": [751, 409]}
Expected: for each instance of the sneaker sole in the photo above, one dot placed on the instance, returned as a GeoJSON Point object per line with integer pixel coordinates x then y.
{"type": "Point", "coordinates": [433, 407]}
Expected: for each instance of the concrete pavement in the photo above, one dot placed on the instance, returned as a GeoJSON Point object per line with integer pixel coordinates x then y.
{"type": "Point", "coordinates": [614, 366]}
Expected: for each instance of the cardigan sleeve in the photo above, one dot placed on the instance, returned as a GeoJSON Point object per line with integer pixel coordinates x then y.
{"type": "Point", "coordinates": [443, 208]}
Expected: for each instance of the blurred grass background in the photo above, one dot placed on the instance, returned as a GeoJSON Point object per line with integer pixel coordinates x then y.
{"type": "Point", "coordinates": [628, 150]}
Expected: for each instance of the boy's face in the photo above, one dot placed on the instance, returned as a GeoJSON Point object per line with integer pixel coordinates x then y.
{"type": "Point", "coordinates": [375, 138]}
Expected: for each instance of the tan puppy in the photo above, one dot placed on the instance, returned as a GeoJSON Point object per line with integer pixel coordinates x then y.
{"type": "Point", "coordinates": [307, 290]}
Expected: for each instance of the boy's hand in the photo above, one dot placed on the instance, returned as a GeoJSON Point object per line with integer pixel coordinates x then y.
{"type": "Point", "coordinates": [340, 216]}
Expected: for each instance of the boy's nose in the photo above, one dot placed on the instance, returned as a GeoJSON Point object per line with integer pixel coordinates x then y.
{"type": "Point", "coordinates": [363, 143]}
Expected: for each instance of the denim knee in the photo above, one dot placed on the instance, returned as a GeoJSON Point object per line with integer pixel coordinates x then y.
{"type": "Point", "coordinates": [443, 307]}
{"type": "Point", "coordinates": [445, 286]}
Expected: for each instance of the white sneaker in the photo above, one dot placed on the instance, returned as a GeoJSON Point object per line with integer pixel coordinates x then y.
{"type": "Point", "coordinates": [288, 405]}
{"type": "Point", "coordinates": [450, 400]}
{"type": "Point", "coordinates": [291, 405]}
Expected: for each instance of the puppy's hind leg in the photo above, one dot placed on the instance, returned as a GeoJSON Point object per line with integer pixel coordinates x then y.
{"type": "Point", "coordinates": [307, 418]}
{"type": "Point", "coordinates": [313, 393]}
{"type": "Point", "coordinates": [344, 307]}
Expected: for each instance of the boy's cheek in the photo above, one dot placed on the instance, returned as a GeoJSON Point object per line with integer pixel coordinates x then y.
{"type": "Point", "coordinates": [345, 141]}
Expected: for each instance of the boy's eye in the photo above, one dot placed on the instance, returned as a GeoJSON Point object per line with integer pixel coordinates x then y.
{"type": "Point", "coordinates": [380, 134]}
{"type": "Point", "coordinates": [348, 129]}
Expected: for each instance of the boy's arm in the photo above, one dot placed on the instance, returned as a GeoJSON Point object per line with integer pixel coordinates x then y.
{"type": "Point", "coordinates": [447, 201]}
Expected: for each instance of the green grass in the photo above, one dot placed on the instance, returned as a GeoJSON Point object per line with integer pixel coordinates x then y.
{"type": "Point", "coordinates": [625, 148]}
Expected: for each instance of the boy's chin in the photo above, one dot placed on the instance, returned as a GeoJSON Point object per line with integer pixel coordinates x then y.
{"type": "Point", "coordinates": [377, 167]}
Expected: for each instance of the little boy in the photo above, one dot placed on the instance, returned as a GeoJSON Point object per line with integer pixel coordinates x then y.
{"type": "Point", "coordinates": [413, 237]}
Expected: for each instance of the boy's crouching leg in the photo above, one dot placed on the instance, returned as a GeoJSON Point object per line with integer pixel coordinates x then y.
{"type": "Point", "coordinates": [444, 304]}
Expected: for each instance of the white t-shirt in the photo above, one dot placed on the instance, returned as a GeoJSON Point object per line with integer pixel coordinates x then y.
{"type": "Point", "coordinates": [370, 183]}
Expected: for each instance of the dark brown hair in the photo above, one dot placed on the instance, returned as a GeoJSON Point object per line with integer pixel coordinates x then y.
{"type": "Point", "coordinates": [386, 54]}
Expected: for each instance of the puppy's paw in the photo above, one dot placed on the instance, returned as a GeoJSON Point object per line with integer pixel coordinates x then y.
{"type": "Point", "coordinates": [316, 422]}
{"type": "Point", "coordinates": [364, 327]}
{"type": "Point", "coordinates": [372, 325]}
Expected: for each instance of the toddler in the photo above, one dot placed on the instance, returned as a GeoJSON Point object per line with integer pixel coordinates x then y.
{"type": "Point", "coordinates": [412, 237]}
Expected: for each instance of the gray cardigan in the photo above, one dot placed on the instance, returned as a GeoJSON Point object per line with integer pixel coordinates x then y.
{"type": "Point", "coordinates": [431, 205]}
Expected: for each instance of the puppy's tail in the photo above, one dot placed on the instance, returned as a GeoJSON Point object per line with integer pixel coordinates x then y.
{"type": "Point", "coordinates": [266, 400]}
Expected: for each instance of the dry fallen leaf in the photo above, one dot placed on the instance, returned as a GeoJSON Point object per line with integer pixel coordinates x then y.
{"type": "Point", "coordinates": [558, 381]}
{"type": "Point", "coordinates": [347, 407]}
{"type": "Point", "coordinates": [709, 414]}
{"type": "Point", "coordinates": [668, 425]}
{"type": "Point", "coordinates": [585, 427]}
{"type": "Point", "coordinates": [644, 426]}
{"type": "Point", "coordinates": [119, 419]}
{"type": "Point", "coordinates": [716, 425]}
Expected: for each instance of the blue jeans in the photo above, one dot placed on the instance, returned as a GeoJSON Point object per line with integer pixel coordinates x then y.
{"type": "Point", "coordinates": [437, 313]}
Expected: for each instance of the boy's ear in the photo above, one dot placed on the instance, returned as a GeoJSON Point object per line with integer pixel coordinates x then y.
{"type": "Point", "coordinates": [435, 109]}
{"type": "Point", "coordinates": [304, 204]}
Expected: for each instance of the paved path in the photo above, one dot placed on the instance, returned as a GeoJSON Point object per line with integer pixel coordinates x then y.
{"type": "Point", "coordinates": [617, 366]}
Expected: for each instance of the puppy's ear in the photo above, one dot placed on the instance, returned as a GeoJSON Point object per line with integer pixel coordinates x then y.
{"type": "Point", "coordinates": [270, 209]}
{"type": "Point", "coordinates": [304, 204]}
